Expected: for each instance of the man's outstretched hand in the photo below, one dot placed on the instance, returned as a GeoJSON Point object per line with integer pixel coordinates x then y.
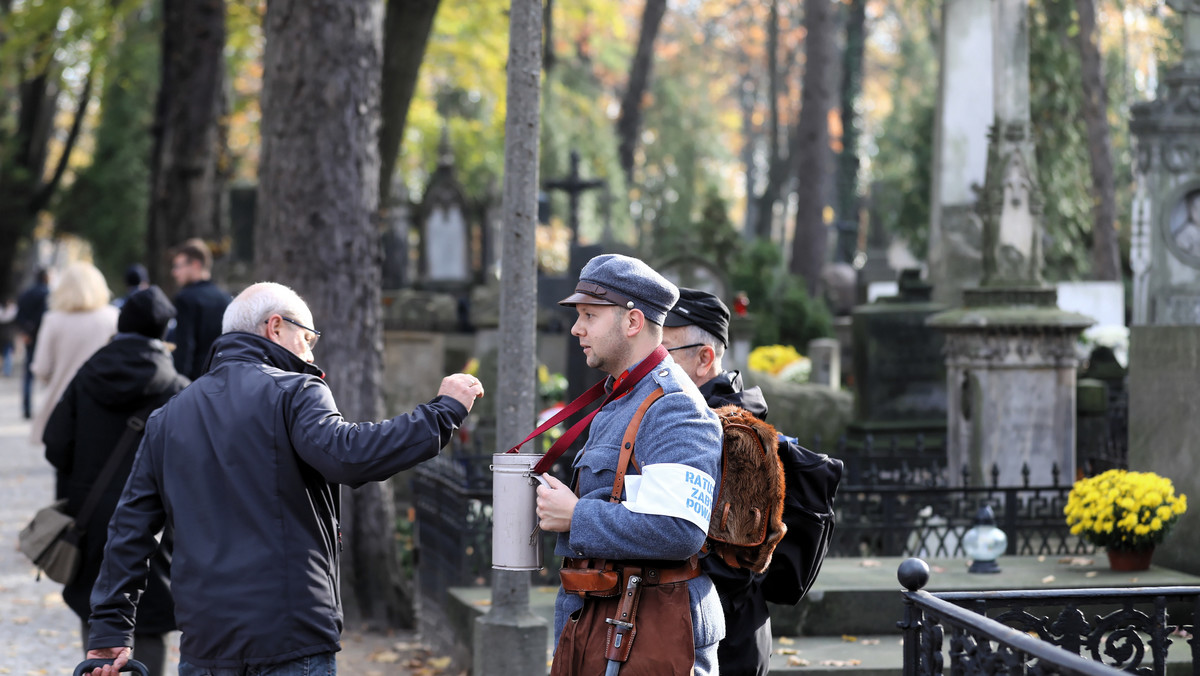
{"type": "Point", "coordinates": [463, 388]}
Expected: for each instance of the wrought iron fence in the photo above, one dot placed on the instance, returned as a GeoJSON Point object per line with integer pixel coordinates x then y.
{"type": "Point", "coordinates": [930, 521]}
{"type": "Point", "coordinates": [890, 504]}
{"type": "Point", "coordinates": [1044, 631]}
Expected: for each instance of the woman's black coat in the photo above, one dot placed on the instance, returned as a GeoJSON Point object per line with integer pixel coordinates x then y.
{"type": "Point", "coordinates": [131, 374]}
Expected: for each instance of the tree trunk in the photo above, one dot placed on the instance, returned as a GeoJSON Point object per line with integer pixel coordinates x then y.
{"type": "Point", "coordinates": [318, 190]}
{"type": "Point", "coordinates": [751, 135]}
{"type": "Point", "coordinates": [406, 30]}
{"type": "Point", "coordinates": [186, 183]}
{"type": "Point", "coordinates": [629, 121]}
{"type": "Point", "coordinates": [1106, 255]}
{"type": "Point", "coordinates": [23, 193]}
{"type": "Point", "coordinates": [778, 167]}
{"type": "Point", "coordinates": [22, 168]}
{"type": "Point", "coordinates": [812, 162]}
{"type": "Point", "coordinates": [852, 73]}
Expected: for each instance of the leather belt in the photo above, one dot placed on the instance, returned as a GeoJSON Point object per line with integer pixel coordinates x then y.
{"type": "Point", "coordinates": [652, 572]}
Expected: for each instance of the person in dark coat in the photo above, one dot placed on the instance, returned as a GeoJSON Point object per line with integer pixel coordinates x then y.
{"type": "Point", "coordinates": [696, 333]}
{"type": "Point", "coordinates": [31, 306]}
{"type": "Point", "coordinates": [245, 466]}
{"type": "Point", "coordinates": [131, 375]}
{"type": "Point", "coordinates": [201, 305]}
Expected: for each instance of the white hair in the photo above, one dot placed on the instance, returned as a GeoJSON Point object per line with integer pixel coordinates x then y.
{"type": "Point", "coordinates": [258, 302]}
{"type": "Point", "coordinates": [690, 333]}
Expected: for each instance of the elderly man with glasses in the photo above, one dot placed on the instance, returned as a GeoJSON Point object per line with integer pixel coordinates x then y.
{"type": "Point", "coordinates": [243, 466]}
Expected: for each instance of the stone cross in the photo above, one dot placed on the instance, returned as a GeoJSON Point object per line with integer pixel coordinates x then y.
{"type": "Point", "coordinates": [574, 185]}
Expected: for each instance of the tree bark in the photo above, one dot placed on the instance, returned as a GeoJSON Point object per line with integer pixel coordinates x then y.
{"type": "Point", "coordinates": [186, 182]}
{"type": "Point", "coordinates": [1106, 254]}
{"type": "Point", "coordinates": [629, 121]}
{"type": "Point", "coordinates": [778, 167]}
{"type": "Point", "coordinates": [406, 30]}
{"type": "Point", "coordinates": [852, 73]}
{"type": "Point", "coordinates": [318, 191]}
{"type": "Point", "coordinates": [23, 193]}
{"type": "Point", "coordinates": [813, 160]}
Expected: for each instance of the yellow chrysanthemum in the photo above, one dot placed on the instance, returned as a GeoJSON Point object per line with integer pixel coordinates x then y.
{"type": "Point", "coordinates": [1123, 509]}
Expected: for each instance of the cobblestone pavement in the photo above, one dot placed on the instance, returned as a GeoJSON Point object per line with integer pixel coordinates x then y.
{"type": "Point", "coordinates": [40, 635]}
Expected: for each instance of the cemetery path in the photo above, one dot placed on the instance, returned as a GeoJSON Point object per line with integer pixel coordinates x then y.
{"type": "Point", "coordinates": [39, 635]}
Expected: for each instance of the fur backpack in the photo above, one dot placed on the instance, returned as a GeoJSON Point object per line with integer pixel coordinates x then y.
{"type": "Point", "coordinates": [747, 515]}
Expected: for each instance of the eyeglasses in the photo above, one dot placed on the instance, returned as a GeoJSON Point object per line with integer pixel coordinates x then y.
{"type": "Point", "coordinates": [316, 335]}
{"type": "Point", "coordinates": [684, 347]}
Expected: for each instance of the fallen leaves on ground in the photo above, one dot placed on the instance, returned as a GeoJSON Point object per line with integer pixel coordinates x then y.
{"type": "Point", "coordinates": [1048, 579]}
{"type": "Point", "coordinates": [869, 563]}
{"type": "Point", "coordinates": [840, 663]}
{"type": "Point", "coordinates": [847, 638]}
{"type": "Point", "coordinates": [1081, 561]}
{"type": "Point", "coordinates": [797, 662]}
{"type": "Point", "coordinates": [1091, 573]}
{"type": "Point", "coordinates": [384, 657]}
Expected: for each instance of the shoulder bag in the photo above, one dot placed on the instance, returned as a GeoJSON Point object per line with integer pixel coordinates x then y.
{"type": "Point", "coordinates": [52, 539]}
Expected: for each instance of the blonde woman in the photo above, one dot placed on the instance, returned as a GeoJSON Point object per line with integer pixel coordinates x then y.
{"type": "Point", "coordinates": [79, 322]}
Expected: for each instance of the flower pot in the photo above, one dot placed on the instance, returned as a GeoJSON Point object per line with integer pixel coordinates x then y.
{"type": "Point", "coordinates": [1126, 560]}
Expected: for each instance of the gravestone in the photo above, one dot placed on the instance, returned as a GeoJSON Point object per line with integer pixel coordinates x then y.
{"type": "Point", "coordinates": [445, 232]}
{"type": "Point", "coordinates": [1010, 351]}
{"type": "Point", "coordinates": [825, 355]}
{"type": "Point", "coordinates": [899, 371]}
{"type": "Point", "coordinates": [1163, 409]}
{"type": "Point", "coordinates": [1165, 241]}
{"type": "Point", "coordinates": [960, 148]}
{"type": "Point", "coordinates": [393, 226]}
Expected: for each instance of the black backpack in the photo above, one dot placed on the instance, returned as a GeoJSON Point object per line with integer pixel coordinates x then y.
{"type": "Point", "coordinates": [811, 481]}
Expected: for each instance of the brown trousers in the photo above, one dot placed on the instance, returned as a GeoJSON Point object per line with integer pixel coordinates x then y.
{"type": "Point", "coordinates": [660, 643]}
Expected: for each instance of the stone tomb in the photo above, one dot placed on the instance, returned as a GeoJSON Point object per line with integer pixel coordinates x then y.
{"type": "Point", "coordinates": [899, 373]}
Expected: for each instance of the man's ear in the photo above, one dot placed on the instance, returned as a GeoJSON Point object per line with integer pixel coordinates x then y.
{"type": "Point", "coordinates": [635, 321]}
{"type": "Point", "coordinates": [706, 357]}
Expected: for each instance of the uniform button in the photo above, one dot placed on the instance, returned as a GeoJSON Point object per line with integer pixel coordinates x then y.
{"type": "Point", "coordinates": [663, 373]}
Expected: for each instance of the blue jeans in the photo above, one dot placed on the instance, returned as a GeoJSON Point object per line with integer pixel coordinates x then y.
{"type": "Point", "coordinates": [324, 664]}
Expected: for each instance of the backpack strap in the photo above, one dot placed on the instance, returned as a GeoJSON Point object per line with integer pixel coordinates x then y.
{"type": "Point", "coordinates": [628, 442]}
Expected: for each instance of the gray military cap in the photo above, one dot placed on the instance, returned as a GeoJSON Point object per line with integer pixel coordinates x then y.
{"type": "Point", "coordinates": [612, 279]}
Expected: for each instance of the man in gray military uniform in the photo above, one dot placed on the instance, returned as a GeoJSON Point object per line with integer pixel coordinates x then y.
{"type": "Point", "coordinates": [661, 522]}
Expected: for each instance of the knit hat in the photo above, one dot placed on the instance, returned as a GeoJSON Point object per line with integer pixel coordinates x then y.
{"type": "Point", "coordinates": [146, 312]}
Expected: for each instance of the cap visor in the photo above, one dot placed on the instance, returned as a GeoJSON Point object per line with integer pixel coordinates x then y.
{"type": "Point", "coordinates": [675, 320]}
{"type": "Point", "coordinates": [583, 299]}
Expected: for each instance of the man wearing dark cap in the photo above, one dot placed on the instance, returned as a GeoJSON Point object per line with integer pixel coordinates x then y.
{"type": "Point", "coordinates": [129, 377]}
{"type": "Point", "coordinates": [661, 521]}
{"type": "Point", "coordinates": [696, 334]}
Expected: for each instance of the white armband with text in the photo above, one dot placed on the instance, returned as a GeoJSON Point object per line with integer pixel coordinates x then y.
{"type": "Point", "coordinates": [671, 489]}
